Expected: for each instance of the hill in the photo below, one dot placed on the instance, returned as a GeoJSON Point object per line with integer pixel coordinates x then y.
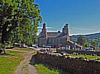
{"type": "Point", "coordinates": [89, 37]}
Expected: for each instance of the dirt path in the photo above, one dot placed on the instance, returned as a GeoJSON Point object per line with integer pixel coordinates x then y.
{"type": "Point", "coordinates": [25, 67]}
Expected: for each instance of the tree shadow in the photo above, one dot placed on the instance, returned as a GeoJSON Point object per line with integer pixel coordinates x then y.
{"type": "Point", "coordinates": [6, 54]}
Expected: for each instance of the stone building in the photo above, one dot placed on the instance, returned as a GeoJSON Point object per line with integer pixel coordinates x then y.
{"type": "Point", "coordinates": [56, 39]}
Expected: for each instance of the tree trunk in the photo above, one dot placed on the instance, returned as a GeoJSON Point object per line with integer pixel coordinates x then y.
{"type": "Point", "coordinates": [4, 50]}
{"type": "Point", "coordinates": [3, 38]}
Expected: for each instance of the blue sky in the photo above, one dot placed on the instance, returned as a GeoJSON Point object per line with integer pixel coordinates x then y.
{"type": "Point", "coordinates": [83, 16]}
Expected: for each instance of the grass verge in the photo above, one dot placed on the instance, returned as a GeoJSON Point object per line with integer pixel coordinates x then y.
{"type": "Point", "coordinates": [9, 61]}
{"type": "Point", "coordinates": [42, 69]}
{"type": "Point", "coordinates": [84, 56]}
{"type": "Point", "coordinates": [23, 49]}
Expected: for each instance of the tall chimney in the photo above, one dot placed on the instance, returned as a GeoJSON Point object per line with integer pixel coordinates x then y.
{"type": "Point", "coordinates": [44, 31]}
{"type": "Point", "coordinates": [66, 31]}
{"type": "Point", "coordinates": [44, 26]}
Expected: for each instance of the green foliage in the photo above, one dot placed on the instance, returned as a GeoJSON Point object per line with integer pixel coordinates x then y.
{"type": "Point", "coordinates": [81, 40]}
{"type": "Point", "coordinates": [19, 20]}
{"type": "Point", "coordinates": [86, 45]}
{"type": "Point", "coordinates": [93, 43]}
{"type": "Point", "coordinates": [7, 20]}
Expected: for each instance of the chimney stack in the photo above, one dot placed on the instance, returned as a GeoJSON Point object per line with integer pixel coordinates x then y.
{"type": "Point", "coordinates": [44, 31]}
{"type": "Point", "coordinates": [65, 30]}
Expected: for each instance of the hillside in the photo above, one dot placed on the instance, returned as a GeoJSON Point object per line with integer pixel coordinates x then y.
{"type": "Point", "coordinates": [89, 37]}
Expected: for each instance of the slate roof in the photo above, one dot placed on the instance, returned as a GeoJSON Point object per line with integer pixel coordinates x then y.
{"type": "Point", "coordinates": [53, 34]}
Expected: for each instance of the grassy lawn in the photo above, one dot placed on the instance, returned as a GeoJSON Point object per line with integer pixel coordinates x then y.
{"type": "Point", "coordinates": [23, 49]}
{"type": "Point", "coordinates": [84, 56]}
{"type": "Point", "coordinates": [45, 70]}
{"type": "Point", "coordinates": [9, 61]}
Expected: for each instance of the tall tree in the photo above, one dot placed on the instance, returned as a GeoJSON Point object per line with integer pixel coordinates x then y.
{"type": "Point", "coordinates": [14, 13]}
{"type": "Point", "coordinates": [7, 20]}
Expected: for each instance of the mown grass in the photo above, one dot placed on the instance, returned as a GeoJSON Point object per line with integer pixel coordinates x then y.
{"type": "Point", "coordinates": [23, 49]}
{"type": "Point", "coordinates": [84, 56]}
{"type": "Point", "coordinates": [9, 61]}
{"type": "Point", "coordinates": [42, 69]}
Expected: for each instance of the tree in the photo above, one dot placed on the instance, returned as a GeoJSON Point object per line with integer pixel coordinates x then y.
{"type": "Point", "coordinates": [81, 40]}
{"type": "Point", "coordinates": [86, 44]}
{"type": "Point", "coordinates": [7, 20]}
{"type": "Point", "coordinates": [14, 13]}
{"type": "Point", "coordinates": [93, 44]}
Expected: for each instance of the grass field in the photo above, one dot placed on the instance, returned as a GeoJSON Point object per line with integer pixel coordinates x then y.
{"type": "Point", "coordinates": [84, 56]}
{"type": "Point", "coordinates": [42, 69]}
{"type": "Point", "coordinates": [23, 49]}
{"type": "Point", "coordinates": [9, 61]}
{"type": "Point", "coordinates": [45, 70]}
